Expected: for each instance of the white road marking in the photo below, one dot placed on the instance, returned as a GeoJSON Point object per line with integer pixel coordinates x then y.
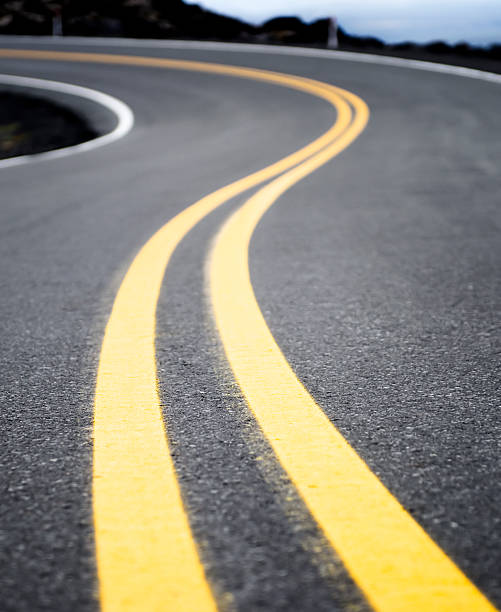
{"type": "Point", "coordinates": [125, 117]}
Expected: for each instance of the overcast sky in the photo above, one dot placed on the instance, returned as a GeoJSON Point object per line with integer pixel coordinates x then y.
{"type": "Point", "coordinates": [476, 21]}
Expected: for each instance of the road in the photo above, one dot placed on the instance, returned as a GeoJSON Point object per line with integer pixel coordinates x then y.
{"type": "Point", "coordinates": [364, 371]}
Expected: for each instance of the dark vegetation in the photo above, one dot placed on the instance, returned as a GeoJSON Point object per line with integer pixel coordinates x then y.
{"type": "Point", "coordinates": [461, 54]}
{"type": "Point", "coordinates": [128, 18]}
{"type": "Point", "coordinates": [32, 125]}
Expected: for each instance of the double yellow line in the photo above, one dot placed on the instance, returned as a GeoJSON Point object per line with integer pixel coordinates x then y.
{"type": "Point", "coordinates": [147, 558]}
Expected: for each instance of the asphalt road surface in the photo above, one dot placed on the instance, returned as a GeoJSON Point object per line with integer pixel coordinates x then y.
{"type": "Point", "coordinates": [377, 271]}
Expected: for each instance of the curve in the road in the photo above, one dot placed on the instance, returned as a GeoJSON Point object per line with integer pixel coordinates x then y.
{"type": "Point", "coordinates": [146, 554]}
{"type": "Point", "coordinates": [350, 56]}
{"type": "Point", "coordinates": [123, 113]}
{"type": "Point", "coordinates": [471, 598]}
{"type": "Point", "coordinates": [383, 547]}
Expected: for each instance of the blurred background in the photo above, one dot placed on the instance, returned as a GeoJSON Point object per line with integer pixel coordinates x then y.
{"type": "Point", "coordinates": [448, 26]}
{"type": "Point", "coordinates": [477, 22]}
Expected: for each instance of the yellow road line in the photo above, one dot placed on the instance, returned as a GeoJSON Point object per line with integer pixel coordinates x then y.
{"type": "Point", "coordinates": [147, 559]}
{"type": "Point", "coordinates": [396, 564]}
{"type": "Point", "coordinates": [146, 555]}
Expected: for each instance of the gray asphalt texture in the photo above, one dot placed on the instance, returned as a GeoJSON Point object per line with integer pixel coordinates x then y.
{"type": "Point", "coordinates": [379, 278]}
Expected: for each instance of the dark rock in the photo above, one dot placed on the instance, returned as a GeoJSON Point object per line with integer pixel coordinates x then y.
{"type": "Point", "coordinates": [32, 125]}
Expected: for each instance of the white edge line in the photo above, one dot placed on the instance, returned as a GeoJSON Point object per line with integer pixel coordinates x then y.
{"type": "Point", "coordinates": [125, 117]}
{"type": "Point", "coordinates": [350, 56]}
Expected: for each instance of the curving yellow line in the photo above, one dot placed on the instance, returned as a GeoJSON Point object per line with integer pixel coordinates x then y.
{"type": "Point", "coordinates": [396, 564]}
{"type": "Point", "coordinates": [146, 555]}
{"type": "Point", "coordinates": [147, 559]}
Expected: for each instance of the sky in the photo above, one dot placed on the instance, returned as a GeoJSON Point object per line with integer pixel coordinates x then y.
{"type": "Point", "coordinates": [474, 21]}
